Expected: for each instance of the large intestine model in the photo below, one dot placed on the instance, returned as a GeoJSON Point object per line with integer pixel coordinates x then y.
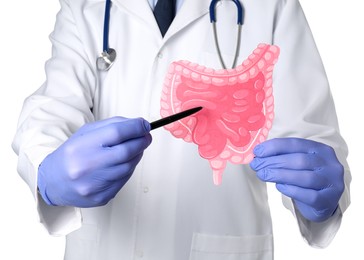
{"type": "Point", "coordinates": [238, 107]}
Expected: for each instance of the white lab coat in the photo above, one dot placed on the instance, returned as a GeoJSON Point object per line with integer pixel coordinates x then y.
{"type": "Point", "coordinates": [170, 208]}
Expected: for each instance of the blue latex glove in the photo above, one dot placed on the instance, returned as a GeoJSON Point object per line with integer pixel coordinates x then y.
{"type": "Point", "coordinates": [91, 167]}
{"type": "Point", "coordinates": [306, 171]}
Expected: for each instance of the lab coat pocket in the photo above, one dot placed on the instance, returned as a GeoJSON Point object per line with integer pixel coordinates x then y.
{"type": "Point", "coordinates": [213, 247]}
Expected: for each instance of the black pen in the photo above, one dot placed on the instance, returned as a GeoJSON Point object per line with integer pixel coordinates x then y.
{"type": "Point", "coordinates": [170, 119]}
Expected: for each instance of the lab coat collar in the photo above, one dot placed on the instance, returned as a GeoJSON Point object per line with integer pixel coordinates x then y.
{"type": "Point", "coordinates": [189, 12]}
{"type": "Point", "coordinates": [139, 9]}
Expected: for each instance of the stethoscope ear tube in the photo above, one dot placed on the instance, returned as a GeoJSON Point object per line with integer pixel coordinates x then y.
{"type": "Point", "coordinates": [239, 22]}
{"type": "Point", "coordinates": [238, 7]}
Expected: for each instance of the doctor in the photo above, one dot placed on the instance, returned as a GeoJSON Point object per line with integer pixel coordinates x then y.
{"type": "Point", "coordinates": [87, 153]}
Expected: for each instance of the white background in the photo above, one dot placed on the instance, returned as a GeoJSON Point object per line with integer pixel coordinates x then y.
{"type": "Point", "coordinates": [338, 28]}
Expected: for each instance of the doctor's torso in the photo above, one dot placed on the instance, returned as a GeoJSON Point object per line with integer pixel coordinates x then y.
{"type": "Point", "coordinates": [170, 208]}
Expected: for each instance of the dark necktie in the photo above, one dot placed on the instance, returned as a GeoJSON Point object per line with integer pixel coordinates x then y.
{"type": "Point", "coordinates": [164, 13]}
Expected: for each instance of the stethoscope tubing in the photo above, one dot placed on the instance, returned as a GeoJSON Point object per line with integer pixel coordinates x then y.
{"type": "Point", "coordinates": [108, 56]}
{"type": "Point", "coordinates": [105, 47]}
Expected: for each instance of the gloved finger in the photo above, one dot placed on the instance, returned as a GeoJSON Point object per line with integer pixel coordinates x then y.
{"type": "Point", "coordinates": [280, 146]}
{"type": "Point", "coordinates": [316, 215]}
{"type": "Point", "coordinates": [116, 133]}
{"type": "Point", "coordinates": [108, 193]}
{"type": "Point", "coordinates": [96, 199]}
{"type": "Point", "coordinates": [294, 161]}
{"type": "Point", "coordinates": [117, 172]}
{"type": "Point", "coordinates": [103, 195]}
{"type": "Point", "coordinates": [98, 124]}
{"type": "Point", "coordinates": [306, 196]}
{"type": "Point", "coordinates": [97, 190]}
{"type": "Point", "coordinates": [127, 130]}
{"type": "Point", "coordinates": [126, 151]}
{"type": "Point", "coordinates": [304, 179]}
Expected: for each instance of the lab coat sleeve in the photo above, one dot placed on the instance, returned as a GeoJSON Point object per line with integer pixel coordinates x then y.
{"type": "Point", "coordinates": [55, 111]}
{"type": "Point", "coordinates": [305, 108]}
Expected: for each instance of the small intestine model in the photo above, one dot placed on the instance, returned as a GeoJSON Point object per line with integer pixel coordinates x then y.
{"type": "Point", "coordinates": [238, 107]}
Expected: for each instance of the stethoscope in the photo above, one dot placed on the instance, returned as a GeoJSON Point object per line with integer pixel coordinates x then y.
{"type": "Point", "coordinates": [108, 55]}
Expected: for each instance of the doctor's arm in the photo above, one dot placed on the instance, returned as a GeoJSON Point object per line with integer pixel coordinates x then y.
{"type": "Point", "coordinates": [310, 167]}
{"type": "Point", "coordinates": [61, 150]}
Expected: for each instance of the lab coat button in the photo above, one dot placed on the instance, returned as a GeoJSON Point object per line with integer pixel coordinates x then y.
{"type": "Point", "coordinates": [146, 190]}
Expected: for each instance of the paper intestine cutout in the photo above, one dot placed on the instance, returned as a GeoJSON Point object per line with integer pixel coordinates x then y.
{"type": "Point", "coordinates": [238, 107]}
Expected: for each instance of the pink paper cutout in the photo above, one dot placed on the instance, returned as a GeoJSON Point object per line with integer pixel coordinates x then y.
{"type": "Point", "coordinates": [238, 107]}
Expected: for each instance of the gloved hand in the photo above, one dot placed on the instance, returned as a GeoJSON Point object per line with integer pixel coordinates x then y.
{"type": "Point", "coordinates": [91, 167]}
{"type": "Point", "coordinates": [304, 170]}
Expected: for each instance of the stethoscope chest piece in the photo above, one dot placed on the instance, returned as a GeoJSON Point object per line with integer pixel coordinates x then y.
{"type": "Point", "coordinates": [106, 59]}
